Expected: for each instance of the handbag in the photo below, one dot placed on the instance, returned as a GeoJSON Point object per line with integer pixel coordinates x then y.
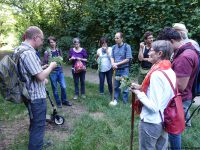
{"type": "Point", "coordinates": [79, 67]}
{"type": "Point", "coordinates": [174, 120]}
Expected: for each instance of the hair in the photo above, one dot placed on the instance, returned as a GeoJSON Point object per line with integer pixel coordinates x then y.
{"type": "Point", "coordinates": [121, 34]}
{"type": "Point", "coordinates": [147, 34]}
{"type": "Point", "coordinates": [31, 32]}
{"type": "Point", "coordinates": [169, 33]}
{"type": "Point", "coordinates": [103, 40]}
{"type": "Point", "coordinates": [164, 46]}
{"type": "Point", "coordinates": [76, 40]}
{"type": "Point", "coordinates": [51, 38]}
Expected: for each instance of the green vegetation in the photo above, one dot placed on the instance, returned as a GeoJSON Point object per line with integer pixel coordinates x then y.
{"type": "Point", "coordinates": [90, 124]}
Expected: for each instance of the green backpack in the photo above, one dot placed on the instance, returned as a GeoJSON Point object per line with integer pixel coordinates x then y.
{"type": "Point", "coordinates": [11, 87]}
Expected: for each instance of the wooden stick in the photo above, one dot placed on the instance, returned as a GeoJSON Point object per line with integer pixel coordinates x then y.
{"type": "Point", "coordinates": [132, 122]}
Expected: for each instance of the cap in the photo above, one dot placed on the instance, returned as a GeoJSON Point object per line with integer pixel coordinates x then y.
{"type": "Point", "coordinates": [180, 26]}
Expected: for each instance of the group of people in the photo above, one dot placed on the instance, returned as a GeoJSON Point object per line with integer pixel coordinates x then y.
{"type": "Point", "coordinates": [152, 89]}
{"type": "Point", "coordinates": [155, 91]}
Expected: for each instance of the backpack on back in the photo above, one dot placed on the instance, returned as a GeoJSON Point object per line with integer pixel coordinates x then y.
{"type": "Point", "coordinates": [11, 87]}
{"type": "Point", "coordinates": [196, 84]}
{"type": "Point", "coordinates": [174, 120]}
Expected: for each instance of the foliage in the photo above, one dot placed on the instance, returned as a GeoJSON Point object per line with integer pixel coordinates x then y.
{"type": "Point", "coordinates": [58, 60]}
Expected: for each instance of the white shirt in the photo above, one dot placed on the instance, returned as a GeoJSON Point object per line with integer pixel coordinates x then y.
{"type": "Point", "coordinates": [159, 93]}
{"type": "Point", "coordinates": [104, 59]}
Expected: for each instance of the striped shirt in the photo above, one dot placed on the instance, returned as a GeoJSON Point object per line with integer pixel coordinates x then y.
{"type": "Point", "coordinates": [29, 66]}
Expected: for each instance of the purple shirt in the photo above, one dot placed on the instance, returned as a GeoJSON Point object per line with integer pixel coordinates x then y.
{"type": "Point", "coordinates": [185, 64]}
{"type": "Point", "coordinates": [81, 54]}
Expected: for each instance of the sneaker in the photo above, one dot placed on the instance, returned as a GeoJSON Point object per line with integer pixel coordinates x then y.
{"type": "Point", "coordinates": [83, 96]}
{"type": "Point", "coordinates": [113, 103]}
{"type": "Point", "coordinates": [75, 97]}
{"type": "Point", "coordinates": [59, 106]}
{"type": "Point", "coordinates": [67, 103]}
{"type": "Point", "coordinates": [101, 93]}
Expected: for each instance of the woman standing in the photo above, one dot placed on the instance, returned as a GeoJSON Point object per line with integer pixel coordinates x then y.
{"type": "Point", "coordinates": [78, 55]}
{"type": "Point", "coordinates": [143, 56]}
{"type": "Point", "coordinates": [155, 93]}
{"type": "Point", "coordinates": [104, 65]}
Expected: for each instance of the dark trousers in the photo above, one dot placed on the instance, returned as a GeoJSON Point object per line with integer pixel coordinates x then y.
{"type": "Point", "coordinates": [79, 76]}
{"type": "Point", "coordinates": [108, 75]}
{"type": "Point", "coordinates": [37, 124]}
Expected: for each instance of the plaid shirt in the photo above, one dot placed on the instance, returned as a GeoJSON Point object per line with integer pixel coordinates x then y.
{"type": "Point", "coordinates": [29, 66]}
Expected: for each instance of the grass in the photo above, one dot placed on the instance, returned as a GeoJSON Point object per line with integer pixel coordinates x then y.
{"type": "Point", "coordinates": [98, 127]}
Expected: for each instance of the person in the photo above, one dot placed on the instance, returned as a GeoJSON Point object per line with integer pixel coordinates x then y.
{"type": "Point", "coordinates": [34, 77]}
{"type": "Point", "coordinates": [155, 94]}
{"type": "Point", "coordinates": [57, 75]}
{"type": "Point", "coordinates": [143, 56]}
{"type": "Point", "coordinates": [120, 59]}
{"type": "Point", "coordinates": [78, 54]}
{"type": "Point", "coordinates": [104, 64]}
{"type": "Point", "coordinates": [185, 65]}
{"type": "Point", "coordinates": [181, 28]}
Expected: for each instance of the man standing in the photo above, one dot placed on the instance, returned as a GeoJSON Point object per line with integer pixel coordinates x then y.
{"type": "Point", "coordinates": [185, 65]}
{"type": "Point", "coordinates": [120, 58]}
{"type": "Point", "coordinates": [181, 28]}
{"type": "Point", "coordinates": [35, 78]}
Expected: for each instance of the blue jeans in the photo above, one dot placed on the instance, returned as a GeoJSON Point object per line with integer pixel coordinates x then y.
{"type": "Point", "coordinates": [58, 76]}
{"type": "Point", "coordinates": [79, 76]}
{"type": "Point", "coordinates": [186, 105]}
{"type": "Point", "coordinates": [37, 124]}
{"type": "Point", "coordinates": [108, 75]}
{"type": "Point", "coordinates": [175, 141]}
{"type": "Point", "coordinates": [121, 72]}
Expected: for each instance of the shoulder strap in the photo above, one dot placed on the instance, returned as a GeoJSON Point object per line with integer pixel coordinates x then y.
{"type": "Point", "coordinates": [175, 91]}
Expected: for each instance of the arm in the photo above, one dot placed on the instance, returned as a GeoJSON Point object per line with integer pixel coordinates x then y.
{"type": "Point", "coordinates": [182, 83]}
{"type": "Point", "coordinates": [44, 74]}
{"type": "Point", "coordinates": [140, 55]}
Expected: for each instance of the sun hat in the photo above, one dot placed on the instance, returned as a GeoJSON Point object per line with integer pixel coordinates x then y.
{"type": "Point", "coordinates": [180, 26]}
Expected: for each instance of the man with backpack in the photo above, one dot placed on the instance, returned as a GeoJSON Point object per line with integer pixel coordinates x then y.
{"type": "Point", "coordinates": [34, 76]}
{"type": "Point", "coordinates": [185, 64]}
{"type": "Point", "coordinates": [120, 59]}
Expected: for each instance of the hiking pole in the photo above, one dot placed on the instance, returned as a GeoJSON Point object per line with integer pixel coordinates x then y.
{"type": "Point", "coordinates": [113, 84]}
{"type": "Point", "coordinates": [132, 121]}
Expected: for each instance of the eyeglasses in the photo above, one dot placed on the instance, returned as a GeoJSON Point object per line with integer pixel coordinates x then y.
{"type": "Point", "coordinates": [42, 39]}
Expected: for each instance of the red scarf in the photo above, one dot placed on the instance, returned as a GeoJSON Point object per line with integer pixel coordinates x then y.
{"type": "Point", "coordinates": [162, 65]}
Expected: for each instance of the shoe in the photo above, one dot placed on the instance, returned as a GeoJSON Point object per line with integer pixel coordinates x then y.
{"type": "Point", "coordinates": [83, 96]}
{"type": "Point", "coordinates": [75, 97]}
{"type": "Point", "coordinates": [113, 103]}
{"type": "Point", "coordinates": [101, 93]}
{"type": "Point", "coordinates": [67, 103]}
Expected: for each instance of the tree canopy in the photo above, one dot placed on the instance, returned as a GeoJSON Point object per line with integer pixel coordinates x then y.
{"type": "Point", "coordinates": [90, 20]}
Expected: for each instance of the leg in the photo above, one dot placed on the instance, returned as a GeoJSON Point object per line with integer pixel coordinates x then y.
{"type": "Point", "coordinates": [125, 73]}
{"type": "Point", "coordinates": [109, 80]}
{"type": "Point", "coordinates": [76, 82]}
{"type": "Point", "coordinates": [82, 80]}
{"type": "Point", "coordinates": [149, 134]}
{"type": "Point", "coordinates": [53, 78]}
{"type": "Point", "coordinates": [101, 81]}
{"type": "Point", "coordinates": [117, 90]}
{"type": "Point", "coordinates": [37, 124]}
{"type": "Point", "coordinates": [175, 141]}
{"type": "Point", "coordinates": [186, 105]}
{"type": "Point", "coordinates": [61, 80]}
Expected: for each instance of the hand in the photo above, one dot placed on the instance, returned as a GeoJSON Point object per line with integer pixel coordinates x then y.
{"type": "Point", "coordinates": [114, 66]}
{"type": "Point", "coordinates": [142, 45]}
{"type": "Point", "coordinates": [135, 86]}
{"type": "Point", "coordinates": [46, 81]}
{"type": "Point", "coordinates": [53, 65]}
{"type": "Point", "coordinates": [135, 91]}
{"type": "Point", "coordinates": [72, 58]}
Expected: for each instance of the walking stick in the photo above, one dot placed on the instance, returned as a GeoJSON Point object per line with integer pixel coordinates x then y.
{"type": "Point", "coordinates": [113, 84]}
{"type": "Point", "coordinates": [132, 121]}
